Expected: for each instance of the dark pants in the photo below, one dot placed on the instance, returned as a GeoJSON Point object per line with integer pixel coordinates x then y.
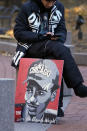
{"type": "Point", "coordinates": [61, 95]}
{"type": "Point", "coordinates": [56, 50]}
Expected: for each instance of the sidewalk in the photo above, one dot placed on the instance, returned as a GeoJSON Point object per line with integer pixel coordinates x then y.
{"type": "Point", "coordinates": [75, 118]}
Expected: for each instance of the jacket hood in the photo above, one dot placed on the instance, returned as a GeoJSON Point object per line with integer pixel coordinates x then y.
{"type": "Point", "coordinates": [41, 6]}
{"type": "Point", "coordinates": [38, 2]}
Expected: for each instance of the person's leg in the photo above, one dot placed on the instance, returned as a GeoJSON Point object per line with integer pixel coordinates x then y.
{"type": "Point", "coordinates": [71, 73]}
{"type": "Point", "coordinates": [60, 110]}
{"type": "Point", "coordinates": [61, 95]}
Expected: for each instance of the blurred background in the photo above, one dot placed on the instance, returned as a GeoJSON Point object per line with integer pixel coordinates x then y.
{"type": "Point", "coordinates": [75, 16]}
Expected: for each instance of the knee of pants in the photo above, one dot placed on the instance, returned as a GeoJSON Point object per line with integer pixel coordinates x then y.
{"type": "Point", "coordinates": [66, 50]}
{"type": "Point", "coordinates": [59, 49]}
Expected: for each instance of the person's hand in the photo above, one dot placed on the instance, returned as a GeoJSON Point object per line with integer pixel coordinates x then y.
{"type": "Point", "coordinates": [43, 36]}
{"type": "Point", "coordinates": [15, 60]}
{"type": "Point", "coordinates": [54, 37]}
{"type": "Point", "coordinates": [20, 52]}
{"type": "Point", "coordinates": [51, 36]}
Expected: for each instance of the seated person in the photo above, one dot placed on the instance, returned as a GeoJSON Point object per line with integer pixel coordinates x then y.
{"type": "Point", "coordinates": [41, 32]}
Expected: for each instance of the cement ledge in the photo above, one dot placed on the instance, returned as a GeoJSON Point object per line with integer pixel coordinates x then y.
{"type": "Point", "coordinates": [8, 47]}
{"type": "Point", "coordinates": [80, 58]}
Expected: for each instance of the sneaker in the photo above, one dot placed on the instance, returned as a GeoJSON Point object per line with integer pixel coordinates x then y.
{"type": "Point", "coordinates": [81, 90]}
{"type": "Point", "coordinates": [60, 112]}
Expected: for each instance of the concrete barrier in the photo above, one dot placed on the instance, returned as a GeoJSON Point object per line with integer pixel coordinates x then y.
{"type": "Point", "coordinates": [8, 47]}
{"type": "Point", "coordinates": [68, 43]}
{"type": "Point", "coordinates": [80, 58]}
{"type": "Point", "coordinates": [67, 91]}
{"type": "Point", "coordinates": [7, 89]}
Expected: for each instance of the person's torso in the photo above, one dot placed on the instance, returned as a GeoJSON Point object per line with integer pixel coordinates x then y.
{"type": "Point", "coordinates": [43, 20]}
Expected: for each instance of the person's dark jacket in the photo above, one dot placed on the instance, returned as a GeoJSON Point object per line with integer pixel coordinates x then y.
{"type": "Point", "coordinates": [22, 30]}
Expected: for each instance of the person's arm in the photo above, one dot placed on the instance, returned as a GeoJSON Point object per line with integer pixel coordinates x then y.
{"type": "Point", "coordinates": [21, 29]}
{"type": "Point", "coordinates": [61, 32]}
{"type": "Point", "coordinates": [22, 32]}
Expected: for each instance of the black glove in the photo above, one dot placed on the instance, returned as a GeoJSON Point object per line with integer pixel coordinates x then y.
{"type": "Point", "coordinates": [20, 52]}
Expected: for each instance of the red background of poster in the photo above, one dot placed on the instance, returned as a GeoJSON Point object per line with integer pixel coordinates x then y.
{"type": "Point", "coordinates": [22, 76]}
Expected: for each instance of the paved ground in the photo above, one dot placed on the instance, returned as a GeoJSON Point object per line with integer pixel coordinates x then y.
{"type": "Point", "coordinates": [75, 113]}
{"type": "Point", "coordinates": [75, 117]}
{"type": "Point", "coordinates": [6, 71]}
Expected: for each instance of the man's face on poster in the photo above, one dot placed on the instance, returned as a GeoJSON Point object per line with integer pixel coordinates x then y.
{"type": "Point", "coordinates": [41, 82]}
{"type": "Point", "coordinates": [37, 98]}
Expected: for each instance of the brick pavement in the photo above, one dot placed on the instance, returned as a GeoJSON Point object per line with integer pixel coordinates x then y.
{"type": "Point", "coordinates": [6, 71]}
{"type": "Point", "coordinates": [75, 114]}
